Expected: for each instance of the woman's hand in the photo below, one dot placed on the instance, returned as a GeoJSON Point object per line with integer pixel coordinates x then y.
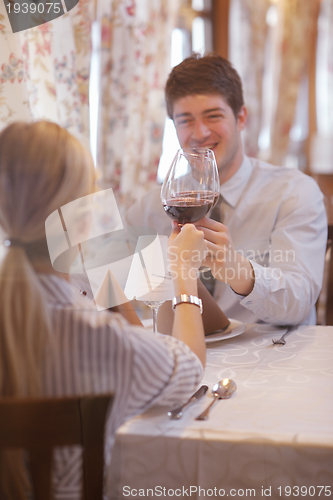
{"type": "Point", "coordinates": [225, 262]}
{"type": "Point", "coordinates": [187, 249]}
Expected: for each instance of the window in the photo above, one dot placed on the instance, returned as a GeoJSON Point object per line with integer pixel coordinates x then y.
{"type": "Point", "coordinates": [193, 34]}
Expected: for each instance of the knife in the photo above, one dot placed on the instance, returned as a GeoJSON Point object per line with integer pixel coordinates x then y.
{"type": "Point", "coordinates": [178, 412]}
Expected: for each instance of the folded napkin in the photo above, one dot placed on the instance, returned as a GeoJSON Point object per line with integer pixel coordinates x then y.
{"type": "Point", "coordinates": [111, 296]}
{"type": "Point", "coordinates": [110, 293]}
{"type": "Point", "coordinates": [213, 317]}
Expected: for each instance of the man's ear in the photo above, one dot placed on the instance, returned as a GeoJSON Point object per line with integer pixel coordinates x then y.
{"type": "Point", "coordinates": [241, 118]}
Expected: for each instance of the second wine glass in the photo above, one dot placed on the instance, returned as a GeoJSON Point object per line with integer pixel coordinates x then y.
{"type": "Point", "coordinates": [191, 186]}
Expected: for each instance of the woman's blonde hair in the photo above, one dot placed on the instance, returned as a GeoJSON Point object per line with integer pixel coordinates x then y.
{"type": "Point", "coordinates": [42, 167]}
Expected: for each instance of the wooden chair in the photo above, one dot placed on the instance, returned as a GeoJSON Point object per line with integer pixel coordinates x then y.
{"type": "Point", "coordinates": [325, 301]}
{"type": "Point", "coordinates": [328, 278]}
{"type": "Point", "coordinates": [38, 425]}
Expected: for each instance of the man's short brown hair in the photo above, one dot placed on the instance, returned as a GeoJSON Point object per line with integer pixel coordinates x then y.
{"type": "Point", "coordinates": [209, 74]}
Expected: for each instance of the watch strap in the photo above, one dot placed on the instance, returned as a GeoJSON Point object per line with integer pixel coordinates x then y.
{"type": "Point", "coordinates": [187, 299]}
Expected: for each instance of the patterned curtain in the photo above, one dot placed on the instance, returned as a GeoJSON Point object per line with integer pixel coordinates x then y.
{"type": "Point", "coordinates": [44, 71]}
{"type": "Point", "coordinates": [272, 63]}
{"type": "Point", "coordinates": [248, 31]}
{"type": "Point", "coordinates": [322, 141]}
{"type": "Point", "coordinates": [299, 23]}
{"type": "Point", "coordinates": [14, 98]}
{"type": "Point", "coordinates": [135, 62]}
{"type": "Point", "coordinates": [324, 83]}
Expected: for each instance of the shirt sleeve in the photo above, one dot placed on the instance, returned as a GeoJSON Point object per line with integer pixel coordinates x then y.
{"type": "Point", "coordinates": [286, 291]}
{"type": "Point", "coordinates": [139, 367]}
{"type": "Point", "coordinates": [165, 371]}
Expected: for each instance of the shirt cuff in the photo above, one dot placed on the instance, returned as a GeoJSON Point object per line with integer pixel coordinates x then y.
{"type": "Point", "coordinates": [262, 284]}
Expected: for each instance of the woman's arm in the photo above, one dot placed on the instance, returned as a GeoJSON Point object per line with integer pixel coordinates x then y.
{"type": "Point", "coordinates": [186, 251]}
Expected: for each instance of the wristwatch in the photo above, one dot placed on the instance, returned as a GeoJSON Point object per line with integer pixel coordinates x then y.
{"type": "Point", "coordinates": [187, 299]}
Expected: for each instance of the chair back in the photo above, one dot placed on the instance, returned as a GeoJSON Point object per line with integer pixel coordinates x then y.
{"type": "Point", "coordinates": [324, 303]}
{"type": "Point", "coordinates": [38, 425]}
{"type": "Point", "coordinates": [325, 300]}
{"type": "Point", "coordinates": [329, 278]}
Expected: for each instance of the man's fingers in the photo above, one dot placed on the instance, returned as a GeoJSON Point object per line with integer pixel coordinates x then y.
{"type": "Point", "coordinates": [209, 224]}
{"type": "Point", "coordinates": [175, 230]}
{"type": "Point", "coordinates": [219, 239]}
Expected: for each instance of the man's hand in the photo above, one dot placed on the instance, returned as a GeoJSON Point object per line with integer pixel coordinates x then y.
{"type": "Point", "coordinates": [225, 262]}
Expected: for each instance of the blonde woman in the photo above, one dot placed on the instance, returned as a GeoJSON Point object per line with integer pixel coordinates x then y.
{"type": "Point", "coordinates": [52, 339]}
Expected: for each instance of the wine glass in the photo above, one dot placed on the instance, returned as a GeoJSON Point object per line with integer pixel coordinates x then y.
{"type": "Point", "coordinates": [148, 279]}
{"type": "Point", "coordinates": [154, 307]}
{"type": "Point", "coordinates": [191, 187]}
{"type": "Point", "coordinates": [161, 289]}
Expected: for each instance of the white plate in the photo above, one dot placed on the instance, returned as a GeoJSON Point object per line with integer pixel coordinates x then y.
{"type": "Point", "coordinates": [235, 328]}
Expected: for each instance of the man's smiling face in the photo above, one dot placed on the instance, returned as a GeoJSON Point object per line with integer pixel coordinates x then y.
{"type": "Point", "coordinates": [208, 121]}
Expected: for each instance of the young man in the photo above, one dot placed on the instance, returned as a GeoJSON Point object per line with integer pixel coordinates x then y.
{"type": "Point", "coordinates": [268, 251]}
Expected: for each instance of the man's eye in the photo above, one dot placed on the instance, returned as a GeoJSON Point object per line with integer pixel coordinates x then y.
{"type": "Point", "coordinates": [185, 121]}
{"type": "Point", "coordinates": [214, 117]}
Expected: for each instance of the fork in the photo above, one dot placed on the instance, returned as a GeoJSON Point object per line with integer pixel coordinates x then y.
{"type": "Point", "coordinates": [178, 412]}
{"type": "Point", "coordinates": [281, 341]}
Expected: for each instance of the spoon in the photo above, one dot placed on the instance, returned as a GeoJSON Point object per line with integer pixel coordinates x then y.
{"type": "Point", "coordinates": [222, 390]}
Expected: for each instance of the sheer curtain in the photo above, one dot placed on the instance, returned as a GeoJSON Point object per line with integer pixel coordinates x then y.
{"type": "Point", "coordinates": [247, 43]}
{"type": "Point", "coordinates": [270, 43]}
{"type": "Point", "coordinates": [135, 62]}
{"type": "Point", "coordinates": [322, 141]}
{"type": "Point", "coordinates": [299, 25]}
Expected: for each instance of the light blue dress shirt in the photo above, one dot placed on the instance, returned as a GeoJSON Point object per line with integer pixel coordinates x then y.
{"type": "Point", "coordinates": [276, 217]}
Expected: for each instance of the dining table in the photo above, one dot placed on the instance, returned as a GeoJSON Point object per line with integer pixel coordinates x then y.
{"type": "Point", "coordinates": [273, 438]}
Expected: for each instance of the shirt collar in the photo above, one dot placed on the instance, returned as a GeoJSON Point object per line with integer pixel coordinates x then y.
{"type": "Point", "coordinates": [232, 190]}
{"type": "Point", "coordinates": [62, 293]}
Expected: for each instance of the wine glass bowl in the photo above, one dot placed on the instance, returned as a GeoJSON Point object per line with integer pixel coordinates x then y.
{"type": "Point", "coordinates": [191, 186]}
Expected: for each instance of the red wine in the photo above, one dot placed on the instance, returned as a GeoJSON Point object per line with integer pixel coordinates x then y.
{"type": "Point", "coordinates": [189, 206]}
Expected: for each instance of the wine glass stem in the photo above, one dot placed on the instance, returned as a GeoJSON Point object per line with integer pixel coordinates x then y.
{"type": "Point", "coordinates": [154, 311]}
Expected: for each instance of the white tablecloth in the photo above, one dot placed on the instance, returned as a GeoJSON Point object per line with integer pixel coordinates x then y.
{"type": "Point", "coordinates": [273, 438]}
